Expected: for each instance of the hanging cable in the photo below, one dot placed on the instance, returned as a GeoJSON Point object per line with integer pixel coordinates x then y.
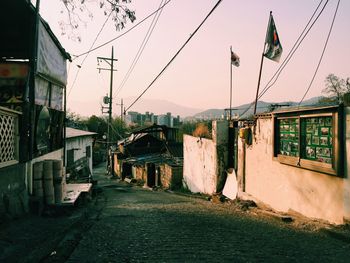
{"type": "Point", "coordinates": [296, 45]}
{"type": "Point", "coordinates": [111, 126]}
{"type": "Point", "coordinates": [141, 48]}
{"type": "Point", "coordinates": [127, 31]}
{"type": "Point", "coordinates": [293, 49]}
{"type": "Point", "coordinates": [323, 51]}
{"type": "Point", "coordinates": [173, 58]}
{"type": "Point", "coordinates": [87, 54]}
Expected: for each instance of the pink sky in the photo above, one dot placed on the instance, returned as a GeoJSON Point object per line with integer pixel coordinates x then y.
{"type": "Point", "coordinates": [200, 75]}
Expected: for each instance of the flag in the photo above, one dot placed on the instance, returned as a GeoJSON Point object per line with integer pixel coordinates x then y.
{"type": "Point", "coordinates": [234, 59]}
{"type": "Point", "coordinates": [274, 47]}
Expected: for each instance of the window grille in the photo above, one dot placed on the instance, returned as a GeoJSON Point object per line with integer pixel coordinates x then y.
{"type": "Point", "coordinates": [8, 138]}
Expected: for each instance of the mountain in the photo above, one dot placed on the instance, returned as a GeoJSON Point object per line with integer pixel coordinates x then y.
{"type": "Point", "coordinates": [160, 107]}
{"type": "Point", "coordinates": [262, 106]}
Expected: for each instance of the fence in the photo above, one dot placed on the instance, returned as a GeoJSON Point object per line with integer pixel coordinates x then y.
{"type": "Point", "coordinates": [9, 137]}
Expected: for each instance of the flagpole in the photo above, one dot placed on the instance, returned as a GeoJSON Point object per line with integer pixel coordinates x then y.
{"type": "Point", "coordinates": [261, 65]}
{"type": "Point", "coordinates": [230, 84]}
{"type": "Point", "coordinates": [257, 90]}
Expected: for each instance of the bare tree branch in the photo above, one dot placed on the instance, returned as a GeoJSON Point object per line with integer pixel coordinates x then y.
{"type": "Point", "coordinates": [78, 13]}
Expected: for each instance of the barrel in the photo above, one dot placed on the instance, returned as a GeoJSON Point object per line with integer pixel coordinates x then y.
{"type": "Point", "coordinates": [38, 179]}
{"type": "Point", "coordinates": [39, 192]}
{"type": "Point", "coordinates": [48, 182]}
{"type": "Point", "coordinates": [58, 188]}
{"type": "Point", "coordinates": [38, 170]}
{"type": "Point", "coordinates": [57, 169]}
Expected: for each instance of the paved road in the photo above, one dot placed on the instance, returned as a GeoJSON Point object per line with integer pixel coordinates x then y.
{"type": "Point", "coordinates": [138, 225]}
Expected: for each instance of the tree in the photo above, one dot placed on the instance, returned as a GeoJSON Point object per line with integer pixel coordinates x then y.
{"type": "Point", "coordinates": [336, 87]}
{"type": "Point", "coordinates": [74, 120]}
{"type": "Point", "coordinates": [202, 131]}
{"type": "Point", "coordinates": [195, 128]}
{"type": "Point", "coordinates": [98, 125]}
{"type": "Point", "coordinates": [78, 11]}
{"type": "Point", "coordinates": [119, 129]}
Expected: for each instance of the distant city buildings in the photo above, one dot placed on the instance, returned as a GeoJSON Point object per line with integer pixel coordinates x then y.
{"type": "Point", "coordinates": [134, 118]}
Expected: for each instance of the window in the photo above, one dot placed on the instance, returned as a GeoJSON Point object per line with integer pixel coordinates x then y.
{"type": "Point", "coordinates": [309, 140]}
{"type": "Point", "coordinates": [70, 158]}
{"type": "Point", "coordinates": [88, 151]}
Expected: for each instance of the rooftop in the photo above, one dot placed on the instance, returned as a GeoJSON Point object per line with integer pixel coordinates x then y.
{"type": "Point", "coordinates": [71, 133]}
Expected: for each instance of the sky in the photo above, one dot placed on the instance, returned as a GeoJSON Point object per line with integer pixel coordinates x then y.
{"type": "Point", "coordinates": [200, 75]}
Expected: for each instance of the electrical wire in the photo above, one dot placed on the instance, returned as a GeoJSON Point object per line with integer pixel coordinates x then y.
{"type": "Point", "coordinates": [173, 58]}
{"type": "Point", "coordinates": [127, 31]}
{"type": "Point", "coordinates": [296, 45]}
{"type": "Point", "coordinates": [140, 50]}
{"type": "Point", "coordinates": [323, 51]}
{"type": "Point", "coordinates": [111, 126]}
{"type": "Point", "coordinates": [87, 54]}
{"type": "Point", "coordinates": [293, 50]}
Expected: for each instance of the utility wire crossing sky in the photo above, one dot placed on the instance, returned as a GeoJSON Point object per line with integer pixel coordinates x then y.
{"type": "Point", "coordinates": [199, 78]}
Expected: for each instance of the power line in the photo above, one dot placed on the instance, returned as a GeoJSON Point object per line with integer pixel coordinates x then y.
{"type": "Point", "coordinates": [176, 54]}
{"type": "Point", "coordinates": [87, 54]}
{"type": "Point", "coordinates": [141, 48]}
{"type": "Point", "coordinates": [294, 49]}
{"type": "Point", "coordinates": [323, 51]}
{"type": "Point", "coordinates": [296, 45]}
{"type": "Point", "coordinates": [127, 31]}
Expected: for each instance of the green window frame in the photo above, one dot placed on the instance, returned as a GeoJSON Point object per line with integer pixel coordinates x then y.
{"type": "Point", "coordinates": [309, 141]}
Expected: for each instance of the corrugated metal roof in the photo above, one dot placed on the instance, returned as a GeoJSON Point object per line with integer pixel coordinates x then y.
{"type": "Point", "coordinates": [71, 133]}
{"type": "Point", "coordinates": [309, 108]}
{"type": "Point", "coordinates": [154, 158]}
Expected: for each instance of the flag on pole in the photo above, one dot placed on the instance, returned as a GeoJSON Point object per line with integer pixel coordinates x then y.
{"type": "Point", "coordinates": [234, 59]}
{"type": "Point", "coordinates": [274, 47]}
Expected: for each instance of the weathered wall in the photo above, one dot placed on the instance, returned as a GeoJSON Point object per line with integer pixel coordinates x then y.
{"type": "Point", "coordinates": [13, 192]}
{"type": "Point", "coordinates": [347, 162]}
{"type": "Point", "coordinates": [16, 184]}
{"type": "Point", "coordinates": [80, 144]}
{"type": "Point", "coordinates": [286, 187]}
{"type": "Point", "coordinates": [205, 160]}
{"type": "Point", "coordinates": [139, 172]}
{"type": "Point", "coordinates": [220, 138]}
{"type": "Point", "coordinates": [171, 176]}
{"type": "Point", "coordinates": [116, 167]}
{"type": "Point", "coordinates": [200, 165]}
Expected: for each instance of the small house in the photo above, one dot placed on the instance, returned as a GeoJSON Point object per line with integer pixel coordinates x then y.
{"type": "Point", "coordinates": [152, 155]}
{"type": "Point", "coordinates": [79, 146]}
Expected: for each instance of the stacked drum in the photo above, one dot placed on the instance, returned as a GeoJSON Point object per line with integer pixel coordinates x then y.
{"type": "Point", "coordinates": [38, 180]}
{"type": "Point", "coordinates": [48, 181]}
{"type": "Point", "coordinates": [57, 166]}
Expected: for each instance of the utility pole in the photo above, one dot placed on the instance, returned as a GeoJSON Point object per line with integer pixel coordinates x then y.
{"type": "Point", "coordinates": [110, 62]}
{"type": "Point", "coordinates": [121, 108]}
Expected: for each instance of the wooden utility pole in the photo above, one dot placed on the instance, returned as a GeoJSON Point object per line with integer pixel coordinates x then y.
{"type": "Point", "coordinates": [110, 62]}
{"type": "Point", "coordinates": [121, 108]}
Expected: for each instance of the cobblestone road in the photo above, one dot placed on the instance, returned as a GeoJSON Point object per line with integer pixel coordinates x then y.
{"type": "Point", "coordinates": [139, 225]}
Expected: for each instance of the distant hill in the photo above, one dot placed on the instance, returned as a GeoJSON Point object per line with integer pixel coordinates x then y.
{"type": "Point", "coordinates": [88, 108]}
{"type": "Point", "coordinates": [261, 107]}
{"type": "Point", "coordinates": [160, 107]}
